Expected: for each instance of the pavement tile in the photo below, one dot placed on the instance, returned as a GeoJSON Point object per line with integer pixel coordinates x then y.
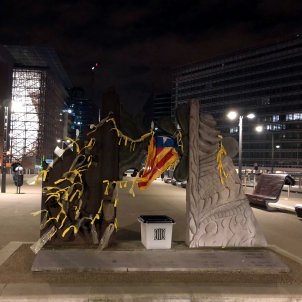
{"type": "Point", "coordinates": [8, 250]}
{"type": "Point", "coordinates": [44, 291]}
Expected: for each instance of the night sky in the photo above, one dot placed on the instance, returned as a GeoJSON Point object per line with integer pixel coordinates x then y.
{"type": "Point", "coordinates": [139, 43]}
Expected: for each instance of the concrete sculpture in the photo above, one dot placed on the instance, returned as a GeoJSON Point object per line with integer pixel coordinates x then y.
{"type": "Point", "coordinates": [78, 202]}
{"type": "Point", "coordinates": [218, 212]}
{"type": "Point", "coordinates": [80, 188]}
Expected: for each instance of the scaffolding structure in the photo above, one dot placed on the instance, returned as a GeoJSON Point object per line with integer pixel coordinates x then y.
{"type": "Point", "coordinates": [27, 113]}
{"type": "Point", "coordinates": [39, 90]}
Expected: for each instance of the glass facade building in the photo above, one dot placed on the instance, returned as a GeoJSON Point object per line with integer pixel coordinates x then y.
{"type": "Point", "coordinates": [81, 112]}
{"type": "Point", "coordinates": [161, 105]}
{"type": "Point", "coordinates": [266, 81]}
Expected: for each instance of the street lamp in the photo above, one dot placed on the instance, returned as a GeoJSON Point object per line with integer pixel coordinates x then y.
{"type": "Point", "coordinates": [232, 115]}
{"type": "Point", "coordinates": [259, 129]}
{"type": "Point", "coordinates": [66, 142]}
{"type": "Point", "coordinates": [6, 147]}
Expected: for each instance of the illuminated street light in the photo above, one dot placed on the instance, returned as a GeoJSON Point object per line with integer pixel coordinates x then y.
{"type": "Point", "coordinates": [259, 128]}
{"type": "Point", "coordinates": [232, 115]}
{"type": "Point", "coordinates": [66, 142]}
{"type": "Point", "coordinates": [251, 116]}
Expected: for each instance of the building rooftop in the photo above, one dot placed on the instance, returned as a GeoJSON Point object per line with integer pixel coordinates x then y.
{"type": "Point", "coordinates": [40, 57]}
{"type": "Point", "coordinates": [241, 54]}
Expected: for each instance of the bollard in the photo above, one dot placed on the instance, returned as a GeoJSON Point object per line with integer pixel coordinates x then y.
{"type": "Point", "coordinates": [254, 181]}
{"type": "Point", "coordinates": [18, 178]}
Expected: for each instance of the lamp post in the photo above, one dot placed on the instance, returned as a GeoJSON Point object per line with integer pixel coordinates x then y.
{"type": "Point", "coordinates": [6, 146]}
{"type": "Point", "coordinates": [232, 115]}
{"type": "Point", "coordinates": [259, 129]}
{"type": "Point", "coordinates": [273, 153]}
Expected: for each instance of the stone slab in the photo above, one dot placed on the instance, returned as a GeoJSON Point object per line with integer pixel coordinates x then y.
{"type": "Point", "coordinates": [8, 250]}
{"type": "Point", "coordinates": [193, 260]}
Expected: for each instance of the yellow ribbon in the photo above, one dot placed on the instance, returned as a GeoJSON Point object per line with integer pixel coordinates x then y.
{"type": "Point", "coordinates": [126, 138]}
{"type": "Point", "coordinates": [42, 173]}
{"type": "Point", "coordinates": [97, 216]}
{"type": "Point", "coordinates": [72, 141]}
{"type": "Point", "coordinates": [178, 136]}
{"type": "Point", "coordinates": [74, 177]}
{"type": "Point", "coordinates": [221, 152]}
{"type": "Point", "coordinates": [39, 212]}
{"type": "Point", "coordinates": [115, 224]}
{"type": "Point", "coordinates": [90, 144]}
{"type": "Point", "coordinates": [100, 124]}
{"type": "Point", "coordinates": [107, 187]}
{"type": "Point", "coordinates": [75, 230]}
{"type": "Point", "coordinates": [131, 191]}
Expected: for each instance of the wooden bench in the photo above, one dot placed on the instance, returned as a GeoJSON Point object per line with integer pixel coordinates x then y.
{"type": "Point", "coordinates": [269, 188]}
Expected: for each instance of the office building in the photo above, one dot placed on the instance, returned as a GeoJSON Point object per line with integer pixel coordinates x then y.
{"type": "Point", "coordinates": [81, 112]}
{"type": "Point", "coordinates": [158, 105]}
{"type": "Point", "coordinates": [161, 105]}
{"type": "Point", "coordinates": [266, 81]}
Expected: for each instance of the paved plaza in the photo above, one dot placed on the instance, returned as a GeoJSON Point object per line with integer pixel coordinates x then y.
{"type": "Point", "coordinates": [19, 228]}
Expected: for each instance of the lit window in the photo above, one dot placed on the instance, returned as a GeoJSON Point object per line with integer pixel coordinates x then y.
{"type": "Point", "coordinates": [234, 130]}
{"type": "Point", "coordinates": [294, 117]}
{"type": "Point", "coordinates": [275, 127]}
{"type": "Point", "coordinates": [275, 118]}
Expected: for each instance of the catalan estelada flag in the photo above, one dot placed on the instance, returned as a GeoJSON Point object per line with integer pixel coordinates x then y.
{"type": "Point", "coordinates": [162, 153]}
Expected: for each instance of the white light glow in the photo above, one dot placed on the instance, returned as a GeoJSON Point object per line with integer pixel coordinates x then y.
{"type": "Point", "coordinates": [232, 115]}
{"type": "Point", "coordinates": [259, 128]}
{"type": "Point", "coordinates": [251, 115]}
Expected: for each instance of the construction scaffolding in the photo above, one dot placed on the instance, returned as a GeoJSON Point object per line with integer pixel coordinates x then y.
{"type": "Point", "coordinates": [27, 113]}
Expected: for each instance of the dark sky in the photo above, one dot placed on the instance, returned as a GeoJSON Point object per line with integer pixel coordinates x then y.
{"type": "Point", "coordinates": [138, 43]}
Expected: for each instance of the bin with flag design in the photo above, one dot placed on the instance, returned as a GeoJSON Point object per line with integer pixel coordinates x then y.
{"type": "Point", "coordinates": [156, 231]}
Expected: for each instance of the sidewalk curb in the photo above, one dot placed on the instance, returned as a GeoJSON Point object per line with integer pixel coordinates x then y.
{"type": "Point", "coordinates": [151, 292]}
{"type": "Point", "coordinates": [283, 252]}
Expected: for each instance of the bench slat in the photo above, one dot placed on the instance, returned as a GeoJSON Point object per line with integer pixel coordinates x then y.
{"type": "Point", "coordinates": [265, 197]}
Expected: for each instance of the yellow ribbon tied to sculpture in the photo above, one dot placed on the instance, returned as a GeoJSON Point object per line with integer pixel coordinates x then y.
{"type": "Point", "coordinates": [221, 152]}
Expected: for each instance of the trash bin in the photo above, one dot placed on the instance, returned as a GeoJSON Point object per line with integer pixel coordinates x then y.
{"type": "Point", "coordinates": [156, 231]}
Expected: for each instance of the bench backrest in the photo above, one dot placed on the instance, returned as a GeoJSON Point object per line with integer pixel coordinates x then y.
{"type": "Point", "coordinates": [270, 185]}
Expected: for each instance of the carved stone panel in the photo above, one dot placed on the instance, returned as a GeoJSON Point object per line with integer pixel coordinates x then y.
{"type": "Point", "coordinates": [218, 212]}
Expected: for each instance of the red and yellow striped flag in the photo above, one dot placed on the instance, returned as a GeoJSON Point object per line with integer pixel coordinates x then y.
{"type": "Point", "coordinates": [162, 153]}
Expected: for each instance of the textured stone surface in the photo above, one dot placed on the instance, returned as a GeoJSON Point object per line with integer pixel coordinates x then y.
{"type": "Point", "coordinates": [218, 212]}
{"type": "Point", "coordinates": [256, 260]}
